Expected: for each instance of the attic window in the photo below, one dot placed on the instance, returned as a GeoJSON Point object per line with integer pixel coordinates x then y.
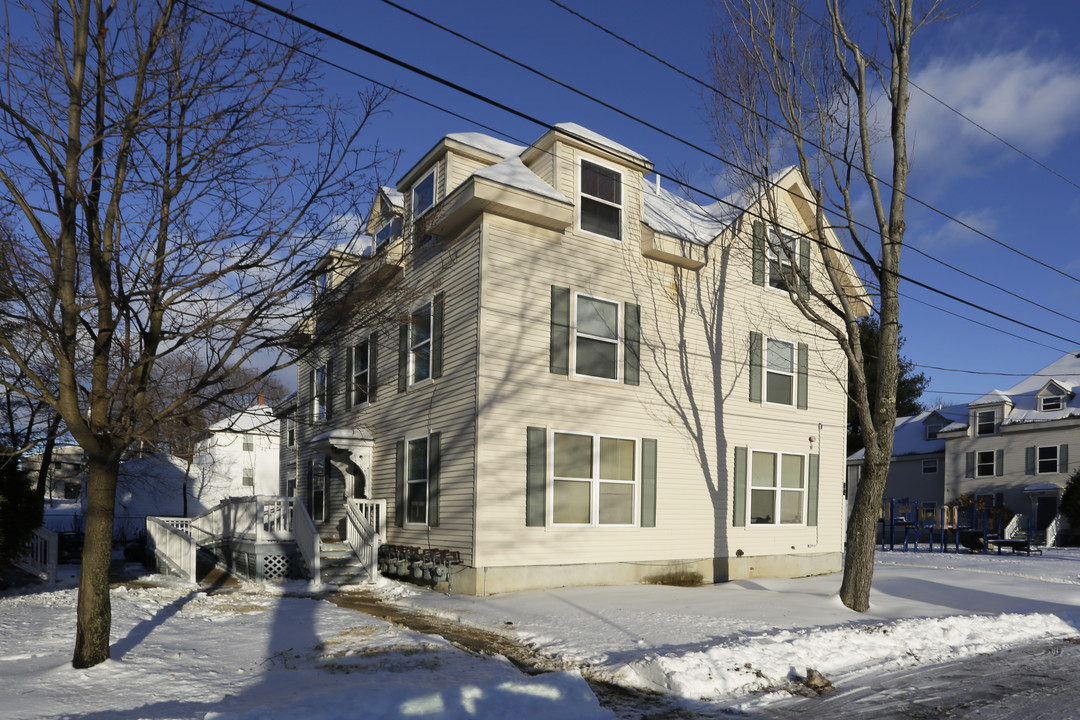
{"type": "Point", "coordinates": [932, 429]}
{"type": "Point", "coordinates": [601, 200]}
{"type": "Point", "coordinates": [387, 231]}
{"type": "Point", "coordinates": [985, 422]}
{"type": "Point", "coordinates": [781, 252]}
{"type": "Point", "coordinates": [423, 194]}
{"type": "Point", "coordinates": [1051, 402]}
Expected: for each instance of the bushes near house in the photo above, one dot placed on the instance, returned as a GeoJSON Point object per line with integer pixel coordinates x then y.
{"type": "Point", "coordinates": [20, 511]}
{"type": "Point", "coordinates": [1070, 505]}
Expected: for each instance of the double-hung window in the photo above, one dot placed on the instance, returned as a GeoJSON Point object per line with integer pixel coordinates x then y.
{"type": "Point", "coordinates": [360, 362]}
{"type": "Point", "coordinates": [249, 443]}
{"type": "Point", "coordinates": [319, 381]}
{"type": "Point", "coordinates": [317, 476]}
{"type": "Point", "coordinates": [779, 372]}
{"type": "Point", "coordinates": [600, 206]}
{"type": "Point", "coordinates": [777, 488]}
{"type": "Point", "coordinates": [416, 481]}
{"type": "Point", "coordinates": [1047, 459]}
{"type": "Point", "coordinates": [423, 194]}
{"type": "Point", "coordinates": [420, 344]}
{"type": "Point", "coordinates": [290, 430]}
{"type": "Point", "coordinates": [1050, 402]}
{"type": "Point", "coordinates": [984, 463]}
{"type": "Point", "coordinates": [387, 231]}
{"type": "Point", "coordinates": [932, 429]}
{"type": "Point", "coordinates": [596, 338]}
{"type": "Point", "coordinates": [781, 250]}
{"type": "Point", "coordinates": [248, 479]}
{"type": "Point", "coordinates": [929, 467]}
{"type": "Point", "coordinates": [594, 480]}
{"type": "Point", "coordinates": [985, 422]}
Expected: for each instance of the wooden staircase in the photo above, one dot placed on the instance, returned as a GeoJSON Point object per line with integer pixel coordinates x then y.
{"type": "Point", "coordinates": [338, 564]}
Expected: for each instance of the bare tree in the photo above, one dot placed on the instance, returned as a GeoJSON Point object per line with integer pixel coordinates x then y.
{"type": "Point", "coordinates": [801, 89]}
{"type": "Point", "coordinates": [174, 176]}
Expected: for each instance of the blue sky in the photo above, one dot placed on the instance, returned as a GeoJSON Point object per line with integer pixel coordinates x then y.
{"type": "Point", "coordinates": [1015, 71]}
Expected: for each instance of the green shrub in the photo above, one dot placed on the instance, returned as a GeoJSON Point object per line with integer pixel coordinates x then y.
{"type": "Point", "coordinates": [20, 511]}
{"type": "Point", "coordinates": [1070, 500]}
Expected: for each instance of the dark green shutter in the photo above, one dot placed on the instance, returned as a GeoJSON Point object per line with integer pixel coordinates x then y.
{"type": "Point", "coordinates": [349, 350]}
{"type": "Point", "coordinates": [755, 366]}
{"type": "Point", "coordinates": [804, 267]}
{"type": "Point", "coordinates": [969, 471]}
{"type": "Point", "coordinates": [403, 359]}
{"type": "Point", "coordinates": [759, 253]}
{"type": "Point", "coordinates": [999, 463]}
{"type": "Point", "coordinates": [535, 476]}
{"type": "Point", "coordinates": [437, 335]}
{"type": "Point", "coordinates": [648, 482]}
{"type": "Point", "coordinates": [739, 500]}
{"type": "Point", "coordinates": [812, 491]}
{"type": "Point", "coordinates": [1063, 458]}
{"type": "Point", "coordinates": [434, 461]}
{"type": "Point", "coordinates": [631, 343]}
{"type": "Point", "coordinates": [399, 483]}
{"type": "Point", "coordinates": [1029, 460]}
{"type": "Point", "coordinates": [804, 360]}
{"type": "Point", "coordinates": [373, 362]}
{"type": "Point", "coordinates": [560, 330]}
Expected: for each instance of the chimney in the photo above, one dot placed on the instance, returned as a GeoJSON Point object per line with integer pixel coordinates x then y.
{"type": "Point", "coordinates": [261, 400]}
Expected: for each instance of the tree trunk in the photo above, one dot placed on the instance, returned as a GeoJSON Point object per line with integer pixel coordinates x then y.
{"type": "Point", "coordinates": [94, 614]}
{"type": "Point", "coordinates": [46, 454]}
{"type": "Point", "coordinates": [862, 537]}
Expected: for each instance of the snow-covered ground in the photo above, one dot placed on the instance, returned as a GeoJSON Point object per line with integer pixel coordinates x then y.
{"type": "Point", "coordinates": [264, 653]}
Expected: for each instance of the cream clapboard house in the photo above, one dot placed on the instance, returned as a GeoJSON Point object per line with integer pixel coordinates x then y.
{"type": "Point", "coordinates": [595, 381]}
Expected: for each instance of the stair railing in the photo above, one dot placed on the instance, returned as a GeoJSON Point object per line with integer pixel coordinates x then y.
{"type": "Point", "coordinates": [365, 531]}
{"type": "Point", "coordinates": [1052, 531]}
{"type": "Point", "coordinates": [40, 555]}
{"type": "Point", "coordinates": [307, 540]}
{"type": "Point", "coordinates": [171, 543]}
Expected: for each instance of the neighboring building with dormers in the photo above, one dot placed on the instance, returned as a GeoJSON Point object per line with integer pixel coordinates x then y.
{"type": "Point", "coordinates": [594, 381]}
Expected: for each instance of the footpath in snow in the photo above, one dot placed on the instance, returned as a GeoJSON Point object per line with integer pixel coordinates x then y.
{"type": "Point", "coordinates": [269, 652]}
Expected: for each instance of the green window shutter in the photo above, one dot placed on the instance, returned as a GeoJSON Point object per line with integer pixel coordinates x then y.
{"type": "Point", "coordinates": [348, 376]}
{"type": "Point", "coordinates": [434, 462]}
{"type": "Point", "coordinates": [535, 476]}
{"type": "Point", "coordinates": [373, 362]}
{"type": "Point", "coordinates": [631, 343]}
{"type": "Point", "coordinates": [1029, 460]}
{"type": "Point", "coordinates": [403, 359]}
{"type": "Point", "coordinates": [329, 389]}
{"type": "Point", "coordinates": [648, 482]}
{"type": "Point", "coordinates": [399, 483]}
{"type": "Point", "coordinates": [739, 501]}
{"type": "Point", "coordinates": [1063, 458]}
{"type": "Point", "coordinates": [560, 330]}
{"type": "Point", "coordinates": [437, 335]}
{"type": "Point", "coordinates": [812, 491]}
{"type": "Point", "coordinates": [804, 360]}
{"type": "Point", "coordinates": [755, 366]}
{"type": "Point", "coordinates": [759, 253]}
{"type": "Point", "coordinates": [970, 463]}
{"type": "Point", "coordinates": [999, 463]}
{"type": "Point", "coordinates": [804, 267]}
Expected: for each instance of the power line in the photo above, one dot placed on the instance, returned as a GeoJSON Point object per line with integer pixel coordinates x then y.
{"type": "Point", "coordinates": [502, 106]}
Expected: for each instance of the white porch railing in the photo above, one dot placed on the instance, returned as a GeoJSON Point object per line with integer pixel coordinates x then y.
{"type": "Point", "coordinates": [40, 555]}
{"type": "Point", "coordinates": [307, 540]}
{"type": "Point", "coordinates": [1018, 520]}
{"type": "Point", "coordinates": [1052, 530]}
{"type": "Point", "coordinates": [365, 531]}
{"type": "Point", "coordinates": [262, 518]}
{"type": "Point", "coordinates": [170, 540]}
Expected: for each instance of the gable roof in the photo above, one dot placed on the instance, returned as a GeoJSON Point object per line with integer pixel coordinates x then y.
{"type": "Point", "coordinates": [257, 419]}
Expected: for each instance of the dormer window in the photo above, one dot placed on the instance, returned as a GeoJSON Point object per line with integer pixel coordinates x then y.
{"type": "Point", "coordinates": [600, 204]}
{"type": "Point", "coordinates": [985, 422]}
{"type": "Point", "coordinates": [423, 194]}
{"type": "Point", "coordinates": [387, 231]}
{"type": "Point", "coordinates": [1051, 402]}
{"type": "Point", "coordinates": [932, 429]}
{"type": "Point", "coordinates": [319, 285]}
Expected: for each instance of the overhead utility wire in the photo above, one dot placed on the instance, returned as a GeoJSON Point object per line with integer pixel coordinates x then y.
{"type": "Point", "coordinates": [813, 144]}
{"type": "Point", "coordinates": [518, 113]}
{"type": "Point", "coordinates": [655, 128]}
{"type": "Point", "coordinates": [992, 327]}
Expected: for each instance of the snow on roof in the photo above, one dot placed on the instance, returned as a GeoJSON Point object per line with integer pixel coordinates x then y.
{"type": "Point", "coordinates": [593, 137]}
{"type": "Point", "coordinates": [991, 398]}
{"type": "Point", "coordinates": [360, 245]}
{"type": "Point", "coordinates": [397, 199]}
{"type": "Point", "coordinates": [679, 217]}
{"type": "Point", "coordinates": [257, 418]}
{"type": "Point", "coordinates": [1065, 371]}
{"type": "Point", "coordinates": [480, 141]}
{"type": "Point", "coordinates": [731, 206]}
{"type": "Point", "coordinates": [513, 172]}
{"type": "Point", "coordinates": [909, 437]}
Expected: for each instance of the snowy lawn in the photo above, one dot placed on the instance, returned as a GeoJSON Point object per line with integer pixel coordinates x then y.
{"type": "Point", "coordinates": [258, 654]}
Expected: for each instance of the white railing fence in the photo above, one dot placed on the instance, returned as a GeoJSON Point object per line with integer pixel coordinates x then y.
{"type": "Point", "coordinates": [40, 555]}
{"type": "Point", "coordinates": [307, 540]}
{"type": "Point", "coordinates": [365, 530]}
{"type": "Point", "coordinates": [263, 518]}
{"type": "Point", "coordinates": [170, 541]}
{"type": "Point", "coordinates": [1052, 530]}
{"type": "Point", "coordinates": [1019, 520]}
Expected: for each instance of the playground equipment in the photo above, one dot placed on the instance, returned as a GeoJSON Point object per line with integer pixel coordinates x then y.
{"type": "Point", "coordinates": [977, 529]}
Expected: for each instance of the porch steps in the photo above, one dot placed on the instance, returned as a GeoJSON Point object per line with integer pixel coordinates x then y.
{"type": "Point", "coordinates": [338, 565]}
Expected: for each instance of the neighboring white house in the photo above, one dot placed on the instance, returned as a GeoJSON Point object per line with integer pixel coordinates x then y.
{"type": "Point", "coordinates": [1008, 448]}
{"type": "Point", "coordinates": [588, 379]}
{"type": "Point", "coordinates": [238, 457]}
{"type": "Point", "coordinates": [147, 485]}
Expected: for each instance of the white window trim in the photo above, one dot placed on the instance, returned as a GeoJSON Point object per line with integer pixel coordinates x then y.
{"type": "Point", "coordinates": [932, 434]}
{"type": "Point", "coordinates": [290, 430]}
{"type": "Point", "coordinates": [979, 422]}
{"type": "Point", "coordinates": [777, 489]}
{"type": "Point", "coordinates": [926, 464]}
{"type": "Point", "coordinates": [594, 482]}
{"type": "Point", "coordinates": [1038, 460]}
{"type": "Point", "coordinates": [430, 305]}
{"type": "Point", "coordinates": [765, 372]}
{"type": "Point", "coordinates": [621, 205]}
{"type": "Point", "coordinates": [1058, 399]}
{"type": "Point", "coordinates": [318, 407]}
{"type": "Point", "coordinates": [350, 388]}
{"type": "Point", "coordinates": [993, 463]}
{"type": "Point", "coordinates": [618, 342]}
{"type": "Point", "coordinates": [246, 473]}
{"type": "Point", "coordinates": [387, 222]}
{"type": "Point", "coordinates": [426, 481]}
{"type": "Point", "coordinates": [318, 510]}
{"type": "Point", "coordinates": [782, 259]}
{"type": "Point", "coordinates": [433, 174]}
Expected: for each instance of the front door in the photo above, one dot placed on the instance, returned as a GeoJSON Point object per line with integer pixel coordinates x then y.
{"type": "Point", "coordinates": [1045, 512]}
